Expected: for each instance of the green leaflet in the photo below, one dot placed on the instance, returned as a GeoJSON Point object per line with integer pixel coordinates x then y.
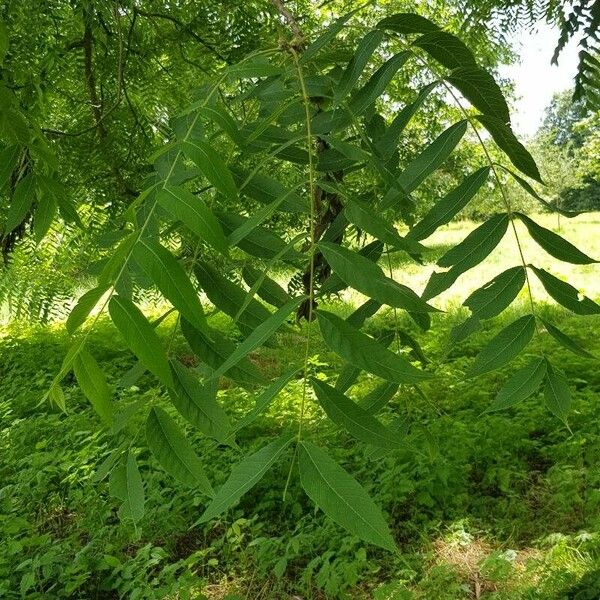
{"type": "Point", "coordinates": [174, 452]}
{"type": "Point", "coordinates": [566, 341]}
{"type": "Point", "coordinates": [409, 341]}
{"type": "Point", "coordinates": [57, 396]}
{"type": "Point", "coordinates": [193, 212]}
{"type": "Point", "coordinates": [256, 66]}
{"type": "Point", "coordinates": [469, 253]}
{"type": "Point", "coordinates": [357, 64]}
{"type": "Point", "coordinates": [332, 160]}
{"type": "Point", "coordinates": [133, 503]}
{"type": "Point", "coordinates": [171, 279]}
{"type": "Point", "coordinates": [554, 244]}
{"type": "Point", "coordinates": [215, 351]}
{"type": "Point", "coordinates": [124, 416]}
{"type": "Point", "coordinates": [531, 191]}
{"type": "Point", "coordinates": [357, 421]}
{"type": "Point", "coordinates": [93, 384]}
{"type": "Point", "coordinates": [351, 151]}
{"type": "Point", "coordinates": [230, 298]}
{"type": "Point", "coordinates": [364, 352]}
{"type": "Point", "coordinates": [462, 331]}
{"type": "Point", "coordinates": [262, 333]}
{"type": "Point", "coordinates": [450, 205]}
{"type": "Point", "coordinates": [481, 90]}
{"type": "Point", "coordinates": [407, 23]}
{"type": "Point", "coordinates": [260, 242]}
{"type": "Point", "coordinates": [266, 397]}
{"type": "Point", "coordinates": [140, 336]}
{"type": "Point", "coordinates": [44, 216]}
{"type": "Point", "coordinates": [365, 96]}
{"type": "Point", "coordinates": [520, 386]}
{"type": "Point", "coordinates": [325, 38]}
{"type": "Point", "coordinates": [67, 210]}
{"type": "Point", "coordinates": [198, 404]}
{"type": "Point", "coordinates": [368, 278]}
{"type": "Point", "coordinates": [269, 290]}
{"type": "Point", "coordinates": [267, 190]}
{"type": "Point", "coordinates": [84, 307]}
{"type": "Point", "coordinates": [218, 114]}
{"type": "Point", "coordinates": [507, 141]}
{"type": "Point", "coordinates": [118, 260]}
{"type": "Point", "coordinates": [557, 393]}
{"type": "Point", "coordinates": [244, 476]}
{"type": "Point", "coordinates": [496, 295]}
{"type": "Point", "coordinates": [126, 484]}
{"type": "Point", "coordinates": [335, 284]}
{"type": "Point", "coordinates": [447, 49]}
{"type": "Point", "coordinates": [388, 142]}
{"type": "Point", "coordinates": [565, 294]}
{"type": "Point", "coordinates": [365, 217]}
{"type": "Point", "coordinates": [349, 373]}
{"type": "Point", "coordinates": [206, 158]}
{"type": "Point", "coordinates": [260, 216]}
{"type": "Point", "coordinates": [363, 312]}
{"type": "Point", "coordinates": [376, 399]}
{"type": "Point", "coordinates": [106, 465]}
{"type": "Point", "coordinates": [263, 276]}
{"type": "Point", "coordinates": [502, 348]}
{"type": "Point", "coordinates": [21, 203]}
{"type": "Point", "coordinates": [341, 497]}
{"type": "Point", "coordinates": [429, 160]}
{"type": "Point", "coordinates": [8, 161]}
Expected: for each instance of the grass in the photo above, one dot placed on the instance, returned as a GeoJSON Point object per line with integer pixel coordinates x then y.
{"type": "Point", "coordinates": [498, 506]}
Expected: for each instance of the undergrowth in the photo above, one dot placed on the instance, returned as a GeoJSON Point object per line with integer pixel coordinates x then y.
{"type": "Point", "coordinates": [499, 505]}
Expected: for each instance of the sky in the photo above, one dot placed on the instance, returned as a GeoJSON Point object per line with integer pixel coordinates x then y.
{"type": "Point", "coordinates": [536, 80]}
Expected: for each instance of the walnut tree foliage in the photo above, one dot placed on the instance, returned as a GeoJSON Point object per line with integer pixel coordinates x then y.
{"type": "Point", "coordinates": [87, 92]}
{"type": "Point", "coordinates": [309, 132]}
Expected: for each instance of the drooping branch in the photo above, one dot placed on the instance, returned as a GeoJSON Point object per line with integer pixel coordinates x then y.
{"type": "Point", "coordinates": [90, 78]}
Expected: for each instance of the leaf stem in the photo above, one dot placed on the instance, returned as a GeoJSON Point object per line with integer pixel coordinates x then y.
{"type": "Point", "coordinates": [311, 285]}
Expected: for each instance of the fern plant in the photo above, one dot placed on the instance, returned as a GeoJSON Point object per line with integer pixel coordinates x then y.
{"type": "Point", "coordinates": [304, 130]}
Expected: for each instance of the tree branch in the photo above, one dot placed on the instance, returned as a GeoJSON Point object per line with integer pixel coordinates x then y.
{"type": "Point", "coordinates": [181, 25]}
{"type": "Point", "coordinates": [289, 18]}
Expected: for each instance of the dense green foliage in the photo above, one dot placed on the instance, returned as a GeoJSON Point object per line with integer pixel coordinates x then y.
{"type": "Point", "coordinates": [217, 220]}
{"type": "Point", "coordinates": [506, 500]}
